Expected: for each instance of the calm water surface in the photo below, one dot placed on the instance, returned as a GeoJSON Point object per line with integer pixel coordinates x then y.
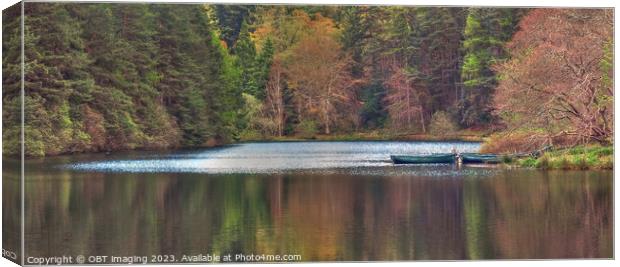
{"type": "Point", "coordinates": [325, 201]}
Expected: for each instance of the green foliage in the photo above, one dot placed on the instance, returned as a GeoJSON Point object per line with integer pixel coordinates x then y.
{"type": "Point", "coordinates": [372, 114]}
{"type": "Point", "coordinates": [254, 67]}
{"type": "Point", "coordinates": [11, 80]}
{"type": "Point", "coordinates": [307, 129]}
{"type": "Point", "coordinates": [528, 162]}
{"type": "Point", "coordinates": [486, 31]}
{"type": "Point", "coordinates": [111, 76]}
{"type": "Point", "coordinates": [577, 158]}
{"type": "Point", "coordinates": [607, 63]}
{"type": "Point", "coordinates": [226, 94]}
{"type": "Point", "coordinates": [245, 51]}
{"type": "Point", "coordinates": [256, 126]}
{"type": "Point", "coordinates": [263, 67]}
{"type": "Point", "coordinates": [580, 162]}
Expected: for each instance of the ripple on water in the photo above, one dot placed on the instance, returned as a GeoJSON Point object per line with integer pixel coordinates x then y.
{"type": "Point", "coordinates": [359, 158]}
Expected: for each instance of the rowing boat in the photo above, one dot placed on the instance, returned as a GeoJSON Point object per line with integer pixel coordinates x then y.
{"type": "Point", "coordinates": [480, 158]}
{"type": "Point", "coordinates": [423, 159]}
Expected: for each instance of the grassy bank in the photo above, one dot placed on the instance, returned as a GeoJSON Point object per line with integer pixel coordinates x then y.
{"type": "Point", "coordinates": [589, 157]}
{"type": "Point", "coordinates": [584, 157]}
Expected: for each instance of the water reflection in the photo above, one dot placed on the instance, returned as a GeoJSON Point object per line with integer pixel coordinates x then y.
{"type": "Point", "coordinates": [377, 212]}
{"type": "Point", "coordinates": [509, 215]}
{"type": "Point", "coordinates": [11, 212]}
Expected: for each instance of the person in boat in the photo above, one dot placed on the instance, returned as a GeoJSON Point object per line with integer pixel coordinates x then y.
{"type": "Point", "coordinates": [458, 156]}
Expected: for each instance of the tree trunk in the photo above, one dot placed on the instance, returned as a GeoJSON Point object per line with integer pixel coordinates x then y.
{"type": "Point", "coordinates": [422, 120]}
{"type": "Point", "coordinates": [326, 116]}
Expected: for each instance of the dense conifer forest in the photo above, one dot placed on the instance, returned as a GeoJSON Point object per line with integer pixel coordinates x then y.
{"type": "Point", "coordinates": [105, 77]}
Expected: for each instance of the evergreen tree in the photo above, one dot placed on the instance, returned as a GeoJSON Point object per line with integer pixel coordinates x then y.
{"type": "Point", "coordinates": [114, 75]}
{"type": "Point", "coordinates": [108, 77]}
{"type": "Point", "coordinates": [359, 27]}
{"type": "Point", "coordinates": [230, 19]}
{"type": "Point", "coordinates": [486, 31]}
{"type": "Point", "coordinates": [184, 85]}
{"type": "Point", "coordinates": [372, 115]}
{"type": "Point", "coordinates": [264, 62]}
{"type": "Point", "coordinates": [245, 52]}
{"type": "Point", "coordinates": [422, 44]}
{"type": "Point", "coordinates": [55, 80]}
{"type": "Point", "coordinates": [225, 93]}
{"type": "Point", "coordinates": [254, 67]}
{"type": "Point", "coordinates": [11, 79]}
{"type": "Point", "coordinates": [138, 28]}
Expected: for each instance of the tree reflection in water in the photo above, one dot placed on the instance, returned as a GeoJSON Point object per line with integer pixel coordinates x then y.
{"type": "Point", "coordinates": [513, 214]}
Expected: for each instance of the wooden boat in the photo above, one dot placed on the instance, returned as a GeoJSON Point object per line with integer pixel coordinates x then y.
{"type": "Point", "coordinates": [480, 158]}
{"type": "Point", "coordinates": [423, 159]}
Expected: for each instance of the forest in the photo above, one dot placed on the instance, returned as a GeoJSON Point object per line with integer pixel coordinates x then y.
{"type": "Point", "coordinates": [107, 77]}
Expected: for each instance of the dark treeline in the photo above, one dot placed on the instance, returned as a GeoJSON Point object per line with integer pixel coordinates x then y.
{"type": "Point", "coordinates": [121, 76]}
{"type": "Point", "coordinates": [103, 77]}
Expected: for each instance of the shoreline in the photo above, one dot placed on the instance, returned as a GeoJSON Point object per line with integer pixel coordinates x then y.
{"type": "Point", "coordinates": [588, 157]}
{"type": "Point", "coordinates": [318, 138]}
{"type": "Point", "coordinates": [374, 136]}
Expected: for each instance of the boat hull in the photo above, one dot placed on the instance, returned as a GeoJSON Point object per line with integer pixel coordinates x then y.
{"type": "Point", "coordinates": [480, 158]}
{"type": "Point", "coordinates": [423, 159]}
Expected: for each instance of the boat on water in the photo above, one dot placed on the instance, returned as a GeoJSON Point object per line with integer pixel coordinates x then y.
{"type": "Point", "coordinates": [466, 158]}
{"type": "Point", "coordinates": [480, 158]}
{"type": "Point", "coordinates": [424, 159]}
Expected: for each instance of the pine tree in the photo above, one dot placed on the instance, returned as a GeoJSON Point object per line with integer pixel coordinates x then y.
{"type": "Point", "coordinates": [230, 19]}
{"type": "Point", "coordinates": [360, 26]}
{"type": "Point", "coordinates": [263, 67]}
{"type": "Point", "coordinates": [137, 28]}
{"type": "Point", "coordinates": [109, 77]}
{"type": "Point", "coordinates": [55, 77]}
{"type": "Point", "coordinates": [246, 61]}
{"type": "Point", "coordinates": [183, 84]}
{"type": "Point", "coordinates": [422, 44]}
{"type": "Point", "coordinates": [485, 33]}
{"type": "Point", "coordinates": [223, 91]}
{"type": "Point", "coordinates": [11, 79]}
{"type": "Point", "coordinates": [114, 75]}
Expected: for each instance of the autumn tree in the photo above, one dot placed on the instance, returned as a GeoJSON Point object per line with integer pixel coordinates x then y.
{"type": "Point", "coordinates": [318, 75]}
{"type": "Point", "coordinates": [275, 99]}
{"type": "Point", "coordinates": [403, 99]}
{"type": "Point", "coordinates": [285, 26]}
{"type": "Point", "coordinates": [557, 80]}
